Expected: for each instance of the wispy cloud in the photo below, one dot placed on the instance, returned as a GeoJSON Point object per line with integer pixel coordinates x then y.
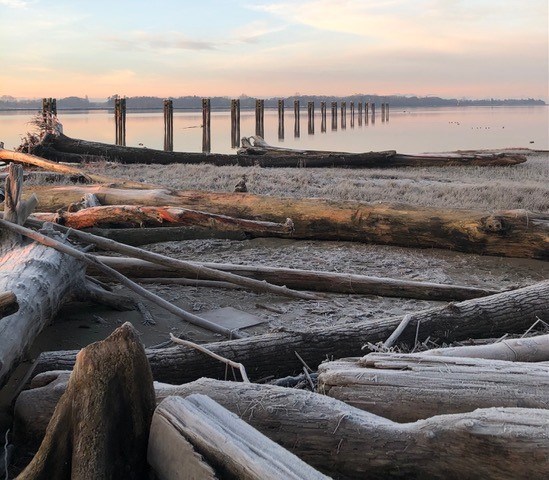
{"type": "Point", "coordinates": [14, 3]}
{"type": "Point", "coordinates": [157, 41]}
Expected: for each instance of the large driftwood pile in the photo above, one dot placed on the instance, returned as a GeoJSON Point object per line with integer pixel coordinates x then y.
{"type": "Point", "coordinates": [472, 412]}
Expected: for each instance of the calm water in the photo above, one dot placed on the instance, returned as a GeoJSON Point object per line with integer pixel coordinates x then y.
{"type": "Point", "coordinates": [407, 131]}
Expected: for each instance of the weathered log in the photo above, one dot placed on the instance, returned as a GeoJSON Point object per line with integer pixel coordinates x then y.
{"type": "Point", "coordinates": [229, 444]}
{"type": "Point", "coordinates": [146, 236]}
{"type": "Point", "coordinates": [28, 159]}
{"type": "Point", "coordinates": [514, 233]}
{"type": "Point", "coordinates": [529, 349]}
{"type": "Point", "coordinates": [256, 146]}
{"type": "Point", "coordinates": [8, 304]}
{"type": "Point", "coordinates": [125, 216]}
{"type": "Point", "coordinates": [308, 280]}
{"type": "Point", "coordinates": [100, 426]}
{"type": "Point", "coordinates": [273, 353]}
{"type": "Point", "coordinates": [405, 388]}
{"type": "Point", "coordinates": [264, 157]}
{"type": "Point", "coordinates": [40, 278]}
{"type": "Point", "coordinates": [340, 440]}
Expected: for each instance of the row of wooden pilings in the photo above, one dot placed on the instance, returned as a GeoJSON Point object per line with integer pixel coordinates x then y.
{"type": "Point", "coordinates": [366, 113]}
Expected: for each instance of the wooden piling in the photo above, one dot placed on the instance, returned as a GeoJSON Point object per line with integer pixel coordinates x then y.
{"type": "Point", "coordinates": [343, 115]}
{"type": "Point", "coordinates": [235, 123]}
{"type": "Point", "coordinates": [297, 130]}
{"type": "Point", "coordinates": [352, 106]}
{"type": "Point", "coordinates": [360, 114]}
{"type": "Point", "coordinates": [311, 117]}
{"type": "Point", "coordinates": [387, 112]}
{"type": "Point", "coordinates": [49, 111]}
{"type": "Point", "coordinates": [168, 125]}
{"type": "Point", "coordinates": [206, 126]}
{"type": "Point", "coordinates": [323, 117]}
{"type": "Point", "coordinates": [383, 112]}
{"type": "Point", "coordinates": [334, 116]}
{"type": "Point", "coordinates": [260, 117]}
{"type": "Point", "coordinates": [281, 119]}
{"type": "Point", "coordinates": [120, 121]}
{"type": "Point", "coordinates": [373, 112]}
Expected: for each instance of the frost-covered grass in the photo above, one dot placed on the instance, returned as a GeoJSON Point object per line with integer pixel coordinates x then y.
{"type": "Point", "coordinates": [487, 188]}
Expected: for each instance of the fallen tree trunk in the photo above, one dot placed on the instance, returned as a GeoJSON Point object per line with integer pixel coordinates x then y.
{"type": "Point", "coordinates": [100, 426]}
{"type": "Point", "coordinates": [229, 444]}
{"type": "Point", "coordinates": [529, 349]}
{"type": "Point", "coordinates": [308, 280]}
{"type": "Point", "coordinates": [124, 216]}
{"type": "Point", "coordinates": [40, 278]}
{"type": "Point", "coordinates": [273, 353]}
{"type": "Point", "coordinates": [406, 388]}
{"type": "Point", "coordinates": [498, 443]}
{"type": "Point", "coordinates": [84, 177]}
{"type": "Point", "coordinates": [263, 157]}
{"type": "Point", "coordinates": [515, 233]}
{"type": "Point", "coordinates": [256, 146]}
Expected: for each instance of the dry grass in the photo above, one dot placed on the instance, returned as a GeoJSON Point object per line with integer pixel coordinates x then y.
{"type": "Point", "coordinates": [487, 188]}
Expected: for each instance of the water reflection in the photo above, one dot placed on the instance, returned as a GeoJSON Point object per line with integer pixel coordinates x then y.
{"type": "Point", "coordinates": [410, 130]}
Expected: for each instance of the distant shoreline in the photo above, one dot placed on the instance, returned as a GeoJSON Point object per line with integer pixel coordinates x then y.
{"type": "Point", "coordinates": [194, 102]}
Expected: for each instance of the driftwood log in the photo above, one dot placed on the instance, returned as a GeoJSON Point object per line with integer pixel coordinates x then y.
{"type": "Point", "coordinates": [40, 278]}
{"type": "Point", "coordinates": [230, 445]}
{"type": "Point", "coordinates": [529, 349]}
{"type": "Point", "coordinates": [342, 441]}
{"type": "Point", "coordinates": [405, 388]}
{"type": "Point", "coordinates": [274, 353]}
{"type": "Point", "coordinates": [81, 176]}
{"type": "Point", "coordinates": [514, 233]}
{"type": "Point", "coordinates": [306, 279]}
{"type": "Point", "coordinates": [62, 148]}
{"type": "Point", "coordinates": [124, 216]}
{"type": "Point", "coordinates": [100, 426]}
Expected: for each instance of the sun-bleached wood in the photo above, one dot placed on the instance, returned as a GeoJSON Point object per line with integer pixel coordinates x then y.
{"type": "Point", "coordinates": [341, 440]}
{"type": "Point", "coordinates": [225, 442]}
{"type": "Point", "coordinates": [408, 387]}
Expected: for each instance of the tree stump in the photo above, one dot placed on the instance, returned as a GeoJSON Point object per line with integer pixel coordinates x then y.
{"type": "Point", "coordinates": [101, 424]}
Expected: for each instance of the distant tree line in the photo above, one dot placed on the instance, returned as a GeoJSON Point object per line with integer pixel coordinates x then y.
{"type": "Point", "coordinates": [195, 102]}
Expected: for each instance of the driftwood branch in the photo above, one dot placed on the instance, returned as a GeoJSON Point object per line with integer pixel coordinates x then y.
{"type": "Point", "coordinates": [202, 349]}
{"type": "Point", "coordinates": [90, 260]}
{"type": "Point", "coordinates": [305, 279]}
{"type": "Point", "coordinates": [197, 271]}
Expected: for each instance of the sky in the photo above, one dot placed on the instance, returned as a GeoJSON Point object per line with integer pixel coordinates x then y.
{"type": "Point", "coordinates": [446, 48]}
